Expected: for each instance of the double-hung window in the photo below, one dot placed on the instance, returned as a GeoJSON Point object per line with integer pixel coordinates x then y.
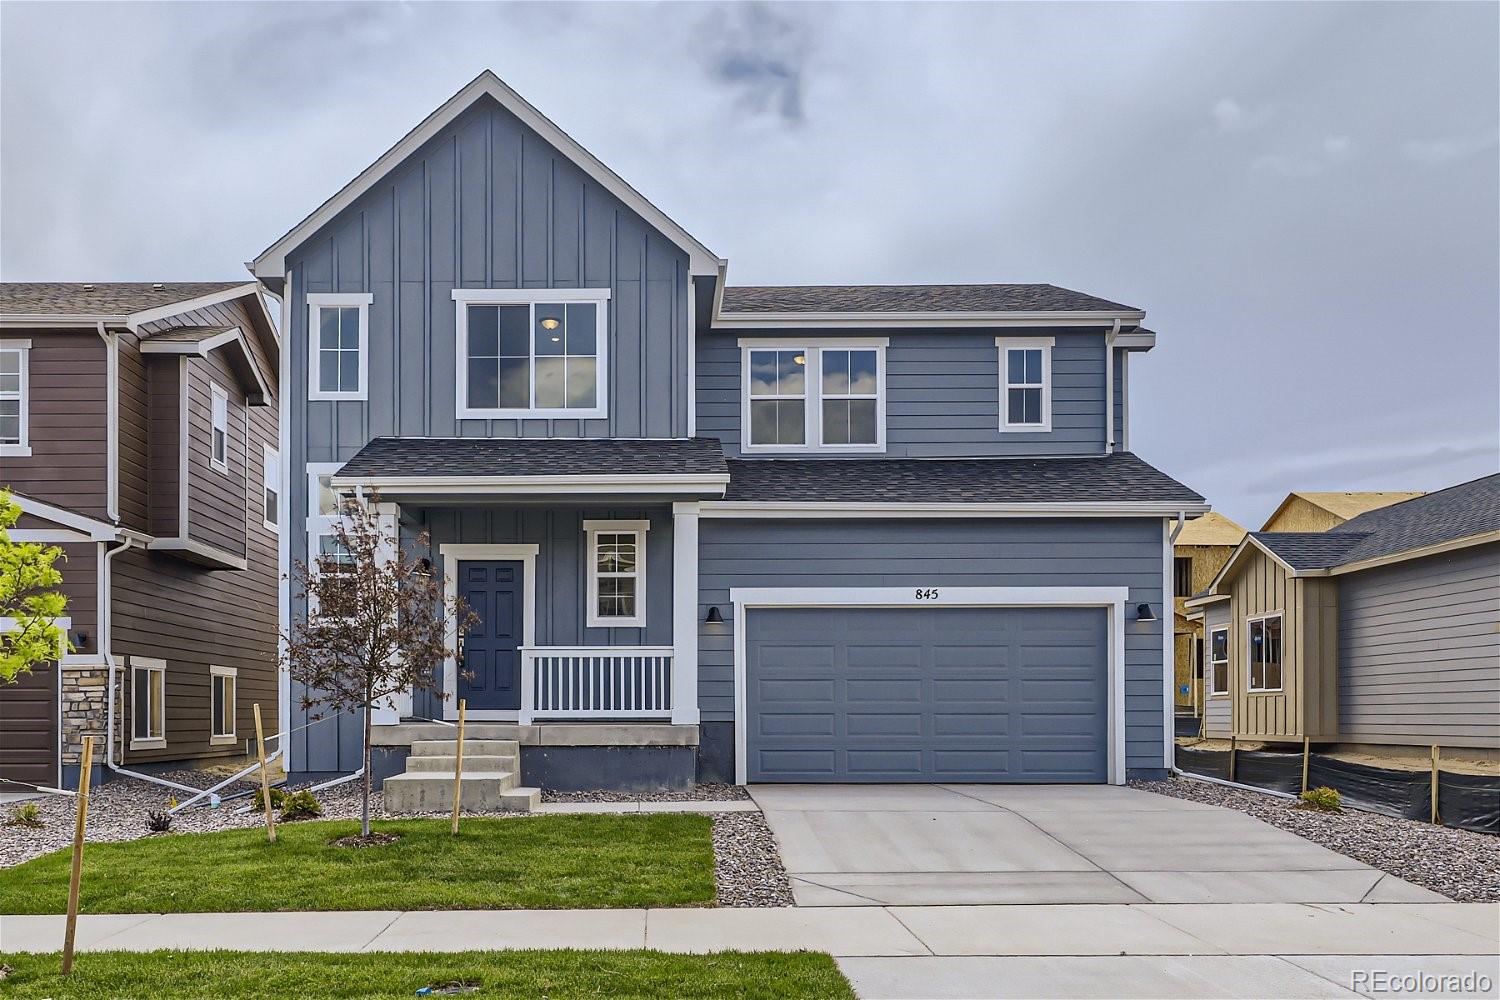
{"type": "Point", "coordinates": [222, 704]}
{"type": "Point", "coordinates": [218, 444]}
{"type": "Point", "coordinates": [813, 395]}
{"type": "Point", "coordinates": [15, 441]}
{"type": "Point", "coordinates": [323, 548]}
{"type": "Point", "coordinates": [339, 343]}
{"type": "Point", "coordinates": [148, 703]}
{"type": "Point", "coordinates": [532, 352]}
{"type": "Point", "coordinates": [1025, 383]}
{"type": "Point", "coordinates": [271, 486]}
{"type": "Point", "coordinates": [1218, 660]}
{"type": "Point", "coordinates": [1264, 653]}
{"type": "Point", "coordinates": [616, 573]}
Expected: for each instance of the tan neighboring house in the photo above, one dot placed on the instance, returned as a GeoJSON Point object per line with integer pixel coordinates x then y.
{"type": "Point", "coordinates": [1381, 632]}
{"type": "Point", "coordinates": [1306, 511]}
{"type": "Point", "coordinates": [138, 431]}
{"type": "Point", "coordinates": [1201, 550]}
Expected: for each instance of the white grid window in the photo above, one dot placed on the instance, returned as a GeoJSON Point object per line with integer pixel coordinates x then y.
{"type": "Point", "coordinates": [818, 395]}
{"type": "Point", "coordinates": [219, 429]}
{"type": "Point", "coordinates": [338, 339]}
{"type": "Point", "coordinates": [851, 395]}
{"type": "Point", "coordinates": [778, 396]}
{"type": "Point", "coordinates": [1025, 384]}
{"type": "Point", "coordinates": [531, 353]}
{"type": "Point", "coordinates": [148, 703]}
{"type": "Point", "coordinates": [271, 480]}
{"type": "Point", "coordinates": [1263, 655]}
{"type": "Point", "coordinates": [616, 573]}
{"type": "Point", "coordinates": [1218, 661]}
{"type": "Point", "coordinates": [14, 398]}
{"type": "Point", "coordinates": [222, 683]}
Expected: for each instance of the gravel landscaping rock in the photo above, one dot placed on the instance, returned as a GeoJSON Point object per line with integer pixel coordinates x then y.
{"type": "Point", "coordinates": [698, 793]}
{"type": "Point", "coordinates": [1460, 864]}
{"type": "Point", "coordinates": [747, 865]}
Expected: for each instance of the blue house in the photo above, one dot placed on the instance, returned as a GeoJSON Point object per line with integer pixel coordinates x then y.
{"type": "Point", "coordinates": [715, 532]}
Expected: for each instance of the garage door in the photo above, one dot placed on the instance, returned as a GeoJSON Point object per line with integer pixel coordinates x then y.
{"type": "Point", "coordinates": [28, 727]}
{"type": "Point", "coordinates": [926, 694]}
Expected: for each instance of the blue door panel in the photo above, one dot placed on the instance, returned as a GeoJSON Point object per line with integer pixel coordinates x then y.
{"type": "Point", "coordinates": [490, 676]}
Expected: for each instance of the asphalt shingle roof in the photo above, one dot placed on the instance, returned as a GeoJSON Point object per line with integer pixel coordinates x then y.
{"type": "Point", "coordinates": [416, 457]}
{"type": "Point", "coordinates": [1118, 477]}
{"type": "Point", "coordinates": [912, 298]}
{"type": "Point", "coordinates": [100, 298]}
{"type": "Point", "coordinates": [1461, 511]}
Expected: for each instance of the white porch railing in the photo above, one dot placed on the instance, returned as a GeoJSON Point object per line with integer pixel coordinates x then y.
{"type": "Point", "coordinates": [595, 682]}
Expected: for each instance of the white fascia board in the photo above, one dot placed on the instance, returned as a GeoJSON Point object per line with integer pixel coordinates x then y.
{"type": "Point", "coordinates": [1136, 340]}
{"type": "Point", "coordinates": [44, 320]}
{"type": "Point", "coordinates": [701, 260]}
{"type": "Point", "coordinates": [945, 320]}
{"type": "Point", "coordinates": [853, 511]}
{"type": "Point", "coordinates": [188, 305]}
{"type": "Point", "coordinates": [201, 348]}
{"type": "Point", "coordinates": [900, 597]}
{"type": "Point", "coordinates": [96, 530]}
{"type": "Point", "coordinates": [479, 485]}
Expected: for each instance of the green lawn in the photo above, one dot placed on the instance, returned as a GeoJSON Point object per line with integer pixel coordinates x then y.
{"type": "Point", "coordinates": [233, 975]}
{"type": "Point", "coordinates": [542, 862]}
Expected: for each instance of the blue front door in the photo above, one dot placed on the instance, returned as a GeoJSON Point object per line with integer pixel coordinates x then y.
{"type": "Point", "coordinates": [490, 675]}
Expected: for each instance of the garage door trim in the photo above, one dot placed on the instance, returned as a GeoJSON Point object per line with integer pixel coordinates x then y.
{"type": "Point", "coordinates": [1111, 599]}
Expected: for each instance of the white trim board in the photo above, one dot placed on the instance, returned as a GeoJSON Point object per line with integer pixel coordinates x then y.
{"type": "Point", "coordinates": [96, 530]}
{"type": "Point", "coordinates": [481, 485]}
{"type": "Point", "coordinates": [934, 320]}
{"type": "Point", "coordinates": [1112, 599]}
{"type": "Point", "coordinates": [769, 510]}
{"type": "Point", "coordinates": [450, 554]}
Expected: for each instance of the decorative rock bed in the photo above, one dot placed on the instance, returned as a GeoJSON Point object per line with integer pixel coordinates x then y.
{"type": "Point", "coordinates": [698, 793]}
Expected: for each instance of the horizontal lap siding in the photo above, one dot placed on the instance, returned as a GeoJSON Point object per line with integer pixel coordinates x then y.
{"type": "Point", "coordinates": [992, 553]}
{"type": "Point", "coordinates": [218, 501]}
{"type": "Point", "coordinates": [1419, 645]}
{"type": "Point", "coordinates": [942, 393]}
{"type": "Point", "coordinates": [69, 458]}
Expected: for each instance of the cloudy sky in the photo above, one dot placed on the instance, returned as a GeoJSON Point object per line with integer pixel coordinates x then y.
{"type": "Point", "coordinates": [1305, 199]}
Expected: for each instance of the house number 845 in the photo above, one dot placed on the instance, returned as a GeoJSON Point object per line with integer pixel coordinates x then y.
{"type": "Point", "coordinates": [927, 593]}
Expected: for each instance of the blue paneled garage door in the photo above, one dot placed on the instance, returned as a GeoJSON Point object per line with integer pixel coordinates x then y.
{"type": "Point", "coordinates": [926, 694]}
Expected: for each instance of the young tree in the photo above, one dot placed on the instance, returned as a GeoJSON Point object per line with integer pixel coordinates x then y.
{"type": "Point", "coordinates": [378, 622]}
{"type": "Point", "coordinates": [27, 575]}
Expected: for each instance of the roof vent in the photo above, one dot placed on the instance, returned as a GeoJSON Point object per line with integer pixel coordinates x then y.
{"type": "Point", "coordinates": [87, 287]}
{"type": "Point", "coordinates": [157, 286]}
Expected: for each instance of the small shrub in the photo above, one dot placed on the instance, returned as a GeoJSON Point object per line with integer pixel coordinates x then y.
{"type": "Point", "coordinates": [25, 814]}
{"type": "Point", "coordinates": [159, 821]}
{"type": "Point", "coordinates": [300, 805]}
{"type": "Point", "coordinates": [278, 796]}
{"type": "Point", "coordinates": [1323, 799]}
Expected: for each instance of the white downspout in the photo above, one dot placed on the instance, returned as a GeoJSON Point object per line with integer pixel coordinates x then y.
{"type": "Point", "coordinates": [111, 421]}
{"type": "Point", "coordinates": [1109, 388]}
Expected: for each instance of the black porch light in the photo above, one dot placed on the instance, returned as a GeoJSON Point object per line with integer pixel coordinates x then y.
{"type": "Point", "coordinates": [714, 618]}
{"type": "Point", "coordinates": [1143, 613]}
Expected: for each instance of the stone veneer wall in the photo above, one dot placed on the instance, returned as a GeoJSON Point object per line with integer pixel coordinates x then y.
{"type": "Point", "coordinates": [84, 711]}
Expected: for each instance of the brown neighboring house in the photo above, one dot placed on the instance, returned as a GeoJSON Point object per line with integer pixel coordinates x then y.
{"type": "Point", "coordinates": [138, 431]}
{"type": "Point", "coordinates": [1202, 548]}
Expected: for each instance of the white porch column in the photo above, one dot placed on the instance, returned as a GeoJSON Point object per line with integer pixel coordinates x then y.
{"type": "Point", "coordinates": [685, 614]}
{"type": "Point", "coordinates": [390, 711]}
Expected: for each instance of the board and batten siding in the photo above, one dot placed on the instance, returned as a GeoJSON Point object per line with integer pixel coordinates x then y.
{"type": "Point", "coordinates": [940, 553]}
{"type": "Point", "coordinates": [69, 459]}
{"type": "Point", "coordinates": [1419, 644]}
{"type": "Point", "coordinates": [942, 393]}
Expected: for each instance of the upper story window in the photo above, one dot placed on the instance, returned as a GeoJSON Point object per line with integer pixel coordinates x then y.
{"type": "Point", "coordinates": [339, 339]}
{"type": "Point", "coordinates": [1218, 660]}
{"type": "Point", "coordinates": [807, 395]}
{"type": "Point", "coordinates": [1025, 383]}
{"type": "Point", "coordinates": [617, 573]}
{"type": "Point", "coordinates": [271, 481]}
{"type": "Point", "coordinates": [15, 439]}
{"type": "Point", "coordinates": [532, 352]}
{"type": "Point", "coordinates": [1264, 653]}
{"type": "Point", "coordinates": [218, 455]}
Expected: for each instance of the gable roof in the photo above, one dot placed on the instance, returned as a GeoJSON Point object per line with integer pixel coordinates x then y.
{"type": "Point", "coordinates": [1343, 504]}
{"type": "Point", "coordinates": [201, 340]}
{"type": "Point", "coordinates": [912, 298]}
{"type": "Point", "coordinates": [1212, 528]}
{"type": "Point", "coordinates": [271, 264]}
{"type": "Point", "coordinates": [114, 302]}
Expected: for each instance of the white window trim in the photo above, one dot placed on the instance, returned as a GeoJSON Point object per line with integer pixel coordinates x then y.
{"type": "Point", "coordinates": [22, 448]}
{"type": "Point", "coordinates": [218, 396]}
{"type": "Point", "coordinates": [231, 737]}
{"type": "Point", "coordinates": [812, 349]}
{"type": "Point", "coordinates": [1277, 615]}
{"type": "Point", "coordinates": [138, 664]}
{"type": "Point", "coordinates": [593, 529]}
{"type": "Point", "coordinates": [315, 302]}
{"type": "Point", "coordinates": [270, 468]}
{"type": "Point", "coordinates": [1213, 691]}
{"type": "Point", "coordinates": [1043, 344]}
{"type": "Point", "coordinates": [465, 297]}
{"type": "Point", "coordinates": [317, 525]}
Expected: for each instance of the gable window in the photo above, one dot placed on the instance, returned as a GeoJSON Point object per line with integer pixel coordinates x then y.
{"type": "Point", "coordinates": [1264, 653]}
{"type": "Point", "coordinates": [1182, 576]}
{"type": "Point", "coordinates": [222, 696]}
{"type": "Point", "coordinates": [339, 341]}
{"type": "Point", "coordinates": [15, 388]}
{"type": "Point", "coordinates": [1218, 660]}
{"type": "Point", "coordinates": [532, 353]}
{"type": "Point", "coordinates": [271, 482]}
{"type": "Point", "coordinates": [148, 703]}
{"type": "Point", "coordinates": [1025, 383]}
{"type": "Point", "coordinates": [219, 429]}
{"type": "Point", "coordinates": [616, 573]}
{"type": "Point", "coordinates": [810, 395]}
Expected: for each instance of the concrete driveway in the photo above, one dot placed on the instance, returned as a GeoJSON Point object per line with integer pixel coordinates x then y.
{"type": "Point", "coordinates": [941, 845]}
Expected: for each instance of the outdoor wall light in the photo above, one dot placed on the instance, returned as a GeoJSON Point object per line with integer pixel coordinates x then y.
{"type": "Point", "coordinates": [83, 638]}
{"type": "Point", "coordinates": [714, 618]}
{"type": "Point", "coordinates": [1143, 613]}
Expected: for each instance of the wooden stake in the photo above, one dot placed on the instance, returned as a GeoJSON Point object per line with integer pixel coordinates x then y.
{"type": "Point", "coordinates": [458, 766]}
{"type": "Point", "coordinates": [1232, 749]}
{"type": "Point", "coordinates": [1434, 783]}
{"type": "Point", "coordinates": [265, 778]}
{"type": "Point", "coordinates": [75, 879]}
{"type": "Point", "coordinates": [1306, 753]}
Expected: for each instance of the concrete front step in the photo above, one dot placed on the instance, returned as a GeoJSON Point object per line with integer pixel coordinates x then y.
{"type": "Point", "coordinates": [483, 791]}
{"type": "Point", "coordinates": [472, 762]}
{"type": "Point", "coordinates": [447, 748]}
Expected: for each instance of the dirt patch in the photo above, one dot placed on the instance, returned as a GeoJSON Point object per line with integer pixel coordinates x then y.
{"type": "Point", "coordinates": [375, 839]}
